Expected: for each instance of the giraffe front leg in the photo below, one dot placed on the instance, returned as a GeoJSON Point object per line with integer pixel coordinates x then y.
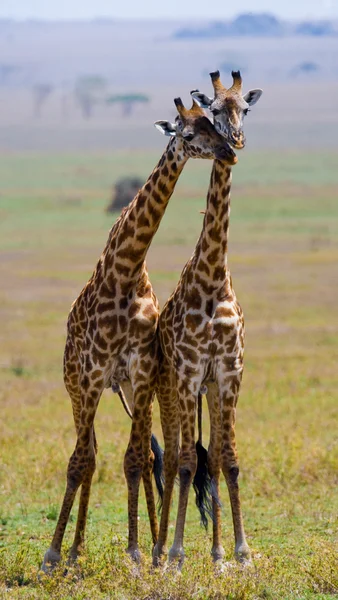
{"type": "Point", "coordinates": [229, 391]}
{"type": "Point", "coordinates": [214, 466]}
{"type": "Point", "coordinates": [187, 400]}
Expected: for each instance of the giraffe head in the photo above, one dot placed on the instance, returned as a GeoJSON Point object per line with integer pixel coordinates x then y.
{"type": "Point", "coordinates": [229, 107]}
{"type": "Point", "coordinates": [198, 135]}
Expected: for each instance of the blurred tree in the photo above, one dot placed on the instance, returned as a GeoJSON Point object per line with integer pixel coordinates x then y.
{"type": "Point", "coordinates": [128, 101]}
{"type": "Point", "coordinates": [89, 90]}
{"type": "Point", "coordinates": [41, 91]}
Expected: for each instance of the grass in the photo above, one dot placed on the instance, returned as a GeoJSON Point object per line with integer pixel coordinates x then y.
{"type": "Point", "coordinates": [284, 256]}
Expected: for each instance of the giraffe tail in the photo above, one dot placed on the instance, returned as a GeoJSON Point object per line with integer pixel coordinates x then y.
{"type": "Point", "coordinates": [117, 390]}
{"type": "Point", "coordinates": [95, 441]}
{"type": "Point", "coordinates": [202, 483]}
{"type": "Point", "coordinates": [158, 469]}
{"type": "Point", "coordinates": [155, 446]}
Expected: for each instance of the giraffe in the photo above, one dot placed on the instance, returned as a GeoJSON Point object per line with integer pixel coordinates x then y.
{"type": "Point", "coordinates": [201, 332]}
{"type": "Point", "coordinates": [111, 333]}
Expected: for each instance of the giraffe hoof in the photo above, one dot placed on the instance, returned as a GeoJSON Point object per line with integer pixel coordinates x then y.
{"type": "Point", "coordinates": [50, 561]}
{"type": "Point", "coordinates": [158, 556]}
{"type": "Point", "coordinates": [217, 554]}
{"type": "Point", "coordinates": [72, 562]}
{"type": "Point", "coordinates": [177, 556]}
{"type": "Point", "coordinates": [134, 554]}
{"type": "Point", "coordinates": [243, 556]}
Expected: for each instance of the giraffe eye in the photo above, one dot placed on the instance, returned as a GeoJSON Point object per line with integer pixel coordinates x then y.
{"type": "Point", "coordinates": [189, 137]}
{"type": "Point", "coordinates": [215, 111]}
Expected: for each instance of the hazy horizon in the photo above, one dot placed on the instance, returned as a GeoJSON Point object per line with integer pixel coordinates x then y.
{"type": "Point", "coordinates": [86, 9]}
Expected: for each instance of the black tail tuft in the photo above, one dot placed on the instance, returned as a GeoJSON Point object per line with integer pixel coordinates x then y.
{"type": "Point", "coordinates": [203, 485]}
{"type": "Point", "coordinates": [158, 468]}
{"type": "Point", "coordinates": [95, 441]}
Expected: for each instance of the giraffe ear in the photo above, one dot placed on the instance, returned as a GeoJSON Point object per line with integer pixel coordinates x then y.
{"type": "Point", "coordinates": [166, 127]}
{"type": "Point", "coordinates": [202, 100]}
{"type": "Point", "coordinates": [253, 96]}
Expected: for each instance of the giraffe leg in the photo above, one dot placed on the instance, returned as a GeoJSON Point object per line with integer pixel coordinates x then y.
{"type": "Point", "coordinates": [214, 466]}
{"type": "Point", "coordinates": [229, 391]}
{"type": "Point", "coordinates": [147, 473]}
{"type": "Point", "coordinates": [80, 470]}
{"type": "Point", "coordinates": [138, 460]}
{"type": "Point", "coordinates": [84, 501]}
{"type": "Point", "coordinates": [71, 378]}
{"type": "Point", "coordinates": [133, 467]}
{"type": "Point", "coordinates": [72, 371]}
{"type": "Point", "coordinates": [187, 400]}
{"type": "Point", "coordinates": [166, 395]}
{"type": "Point", "coordinates": [140, 403]}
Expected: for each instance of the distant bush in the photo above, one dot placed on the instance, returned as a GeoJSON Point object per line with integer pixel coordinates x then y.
{"type": "Point", "coordinates": [305, 68]}
{"type": "Point", "coordinates": [257, 25]}
{"type": "Point", "coordinates": [124, 190]}
{"type": "Point", "coordinates": [213, 30]}
{"type": "Point", "coordinates": [261, 24]}
{"type": "Point", "coordinates": [316, 28]}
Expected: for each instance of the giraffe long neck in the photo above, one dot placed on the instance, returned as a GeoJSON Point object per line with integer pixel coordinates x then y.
{"type": "Point", "coordinates": [132, 234]}
{"type": "Point", "coordinates": [210, 257]}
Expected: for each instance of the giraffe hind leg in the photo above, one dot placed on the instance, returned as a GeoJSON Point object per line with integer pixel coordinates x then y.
{"type": "Point", "coordinates": [187, 400]}
{"type": "Point", "coordinates": [83, 511]}
{"type": "Point", "coordinates": [229, 391]}
{"type": "Point", "coordinates": [214, 467]}
{"type": "Point", "coordinates": [155, 447]}
{"type": "Point", "coordinates": [143, 457]}
{"type": "Point", "coordinates": [71, 374]}
{"type": "Point", "coordinates": [72, 370]}
{"type": "Point", "coordinates": [166, 395]}
{"type": "Point", "coordinates": [81, 467]}
{"type": "Point", "coordinates": [71, 378]}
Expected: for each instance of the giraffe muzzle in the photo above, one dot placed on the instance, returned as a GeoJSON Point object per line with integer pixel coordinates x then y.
{"type": "Point", "coordinates": [237, 140]}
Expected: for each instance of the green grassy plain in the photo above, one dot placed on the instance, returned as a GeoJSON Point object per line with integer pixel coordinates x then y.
{"type": "Point", "coordinates": [284, 262]}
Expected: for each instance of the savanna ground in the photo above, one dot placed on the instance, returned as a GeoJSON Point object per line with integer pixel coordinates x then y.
{"type": "Point", "coordinates": [283, 257]}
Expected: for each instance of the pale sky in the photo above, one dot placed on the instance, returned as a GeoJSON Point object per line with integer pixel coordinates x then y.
{"type": "Point", "coordinates": [172, 9]}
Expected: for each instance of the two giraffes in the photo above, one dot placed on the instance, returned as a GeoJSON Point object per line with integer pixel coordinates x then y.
{"type": "Point", "coordinates": [116, 337]}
